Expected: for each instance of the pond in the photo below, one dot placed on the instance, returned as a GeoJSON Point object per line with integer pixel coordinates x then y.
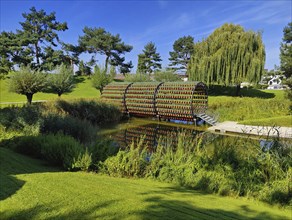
{"type": "Point", "coordinates": [153, 131]}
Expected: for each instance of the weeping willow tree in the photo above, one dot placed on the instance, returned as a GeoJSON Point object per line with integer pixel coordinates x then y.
{"type": "Point", "coordinates": [229, 56]}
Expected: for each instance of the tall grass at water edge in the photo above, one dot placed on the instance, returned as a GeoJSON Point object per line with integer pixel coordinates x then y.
{"type": "Point", "coordinates": [228, 166]}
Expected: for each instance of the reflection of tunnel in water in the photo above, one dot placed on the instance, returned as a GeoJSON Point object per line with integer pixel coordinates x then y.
{"type": "Point", "coordinates": [152, 133]}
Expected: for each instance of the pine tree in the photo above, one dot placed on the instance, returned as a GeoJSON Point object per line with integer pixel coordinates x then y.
{"type": "Point", "coordinates": [149, 60]}
{"type": "Point", "coordinates": [181, 54]}
{"type": "Point", "coordinates": [99, 41]}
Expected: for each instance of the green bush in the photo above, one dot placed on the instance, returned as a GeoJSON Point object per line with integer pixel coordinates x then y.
{"type": "Point", "coordinates": [93, 111]}
{"type": "Point", "coordinates": [56, 149]}
{"type": "Point", "coordinates": [81, 130]}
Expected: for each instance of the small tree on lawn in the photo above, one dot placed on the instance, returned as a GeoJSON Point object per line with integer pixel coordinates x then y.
{"type": "Point", "coordinates": [62, 81]}
{"type": "Point", "coordinates": [166, 76]}
{"type": "Point", "coordinates": [100, 78]}
{"type": "Point", "coordinates": [27, 82]}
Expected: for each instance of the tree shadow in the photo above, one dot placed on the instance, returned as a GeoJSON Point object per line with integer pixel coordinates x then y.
{"type": "Point", "coordinates": [219, 90]}
{"type": "Point", "coordinates": [161, 208]}
{"type": "Point", "coordinates": [9, 184]}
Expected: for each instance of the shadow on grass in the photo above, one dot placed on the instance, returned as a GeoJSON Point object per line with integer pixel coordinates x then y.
{"type": "Point", "coordinates": [11, 164]}
{"type": "Point", "coordinates": [161, 208]}
{"type": "Point", "coordinates": [154, 207]}
{"type": "Point", "coordinates": [218, 90]}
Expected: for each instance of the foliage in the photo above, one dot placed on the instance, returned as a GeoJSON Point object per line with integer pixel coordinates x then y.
{"type": "Point", "coordinates": [27, 82]}
{"type": "Point", "coordinates": [81, 130]}
{"type": "Point", "coordinates": [62, 81]}
{"type": "Point", "coordinates": [39, 34]}
{"type": "Point", "coordinates": [100, 78]}
{"type": "Point", "coordinates": [149, 60]}
{"type": "Point", "coordinates": [57, 149]}
{"type": "Point", "coordinates": [228, 56]}
{"type": "Point", "coordinates": [166, 76]}
{"type": "Point", "coordinates": [7, 42]}
{"type": "Point", "coordinates": [92, 111]}
{"type": "Point", "coordinates": [48, 192]}
{"type": "Point", "coordinates": [286, 51]}
{"type": "Point", "coordinates": [99, 41]}
{"type": "Point", "coordinates": [183, 48]}
{"type": "Point", "coordinates": [138, 77]}
{"type": "Point", "coordinates": [225, 167]}
{"type": "Point", "coordinates": [84, 69]}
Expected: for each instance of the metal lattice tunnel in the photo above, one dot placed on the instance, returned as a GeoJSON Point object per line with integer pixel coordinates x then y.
{"type": "Point", "coordinates": [169, 100]}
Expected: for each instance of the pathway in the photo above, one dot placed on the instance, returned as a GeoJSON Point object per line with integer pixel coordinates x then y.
{"type": "Point", "coordinates": [231, 127]}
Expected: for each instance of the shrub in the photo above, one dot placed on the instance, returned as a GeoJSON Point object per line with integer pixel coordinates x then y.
{"type": "Point", "coordinates": [93, 111]}
{"type": "Point", "coordinates": [57, 149]}
{"type": "Point", "coordinates": [81, 130]}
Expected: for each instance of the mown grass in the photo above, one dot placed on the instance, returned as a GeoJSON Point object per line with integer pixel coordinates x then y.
{"type": "Point", "coordinates": [32, 190]}
{"type": "Point", "coordinates": [254, 107]}
{"type": "Point", "coordinates": [83, 89]}
{"type": "Point", "coordinates": [273, 121]}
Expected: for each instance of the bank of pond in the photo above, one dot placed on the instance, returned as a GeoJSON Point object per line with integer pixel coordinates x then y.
{"type": "Point", "coordinates": [91, 136]}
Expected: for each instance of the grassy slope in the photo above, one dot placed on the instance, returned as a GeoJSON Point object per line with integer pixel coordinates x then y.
{"type": "Point", "coordinates": [31, 190]}
{"type": "Point", "coordinates": [256, 107]}
{"type": "Point", "coordinates": [83, 89]}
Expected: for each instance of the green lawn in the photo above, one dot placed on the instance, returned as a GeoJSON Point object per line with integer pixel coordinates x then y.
{"type": "Point", "coordinates": [32, 190]}
{"type": "Point", "coordinates": [255, 107]}
{"type": "Point", "coordinates": [83, 89]}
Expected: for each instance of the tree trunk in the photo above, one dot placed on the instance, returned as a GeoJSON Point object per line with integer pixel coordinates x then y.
{"type": "Point", "coordinates": [106, 63]}
{"type": "Point", "coordinates": [37, 53]}
{"type": "Point", "coordinates": [59, 94]}
{"type": "Point", "coordinates": [29, 97]}
{"type": "Point", "coordinates": [237, 89]}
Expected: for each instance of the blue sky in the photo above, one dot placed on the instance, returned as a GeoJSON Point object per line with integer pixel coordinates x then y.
{"type": "Point", "coordinates": [162, 22]}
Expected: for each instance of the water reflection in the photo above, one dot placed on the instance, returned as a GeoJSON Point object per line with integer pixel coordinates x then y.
{"type": "Point", "coordinates": [153, 133]}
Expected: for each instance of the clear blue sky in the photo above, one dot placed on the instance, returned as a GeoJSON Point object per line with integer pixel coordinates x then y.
{"type": "Point", "coordinates": [162, 22]}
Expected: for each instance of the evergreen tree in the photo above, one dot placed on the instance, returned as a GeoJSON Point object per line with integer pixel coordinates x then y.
{"type": "Point", "coordinates": [229, 56]}
{"type": "Point", "coordinates": [181, 55]}
{"type": "Point", "coordinates": [84, 69]}
{"type": "Point", "coordinates": [286, 51]}
{"type": "Point", "coordinates": [12, 52]}
{"type": "Point", "coordinates": [27, 82]}
{"type": "Point", "coordinates": [62, 81]}
{"type": "Point", "coordinates": [39, 34]}
{"type": "Point", "coordinates": [99, 41]}
{"type": "Point", "coordinates": [149, 60]}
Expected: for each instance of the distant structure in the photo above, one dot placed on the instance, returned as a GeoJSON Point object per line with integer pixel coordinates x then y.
{"type": "Point", "coordinates": [275, 82]}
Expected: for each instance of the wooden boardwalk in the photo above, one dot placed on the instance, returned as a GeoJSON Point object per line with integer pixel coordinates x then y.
{"type": "Point", "coordinates": [231, 127]}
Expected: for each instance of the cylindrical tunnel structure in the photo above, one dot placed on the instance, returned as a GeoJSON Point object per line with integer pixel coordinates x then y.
{"type": "Point", "coordinates": [169, 100]}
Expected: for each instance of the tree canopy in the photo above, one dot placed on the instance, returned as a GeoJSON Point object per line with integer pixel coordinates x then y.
{"type": "Point", "coordinates": [27, 82]}
{"type": "Point", "coordinates": [230, 55]}
{"type": "Point", "coordinates": [149, 60]}
{"type": "Point", "coordinates": [99, 41]}
{"type": "Point", "coordinates": [39, 34]}
{"type": "Point", "coordinates": [286, 51]}
{"type": "Point", "coordinates": [100, 78]}
{"type": "Point", "coordinates": [181, 54]}
{"type": "Point", "coordinates": [62, 81]}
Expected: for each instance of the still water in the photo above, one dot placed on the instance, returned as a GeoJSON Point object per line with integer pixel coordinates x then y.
{"type": "Point", "coordinates": [153, 130]}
